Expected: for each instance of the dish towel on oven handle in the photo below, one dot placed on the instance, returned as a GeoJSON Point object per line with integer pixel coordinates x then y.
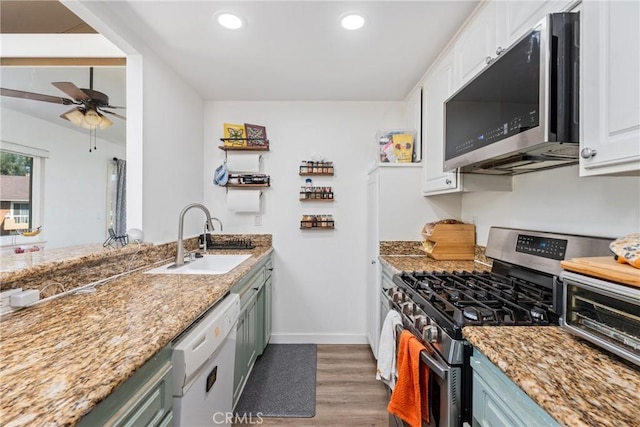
{"type": "Point", "coordinates": [409, 399]}
{"type": "Point", "coordinates": [386, 368]}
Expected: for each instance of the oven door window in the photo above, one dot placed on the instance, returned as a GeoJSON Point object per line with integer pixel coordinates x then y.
{"type": "Point", "coordinates": [608, 317]}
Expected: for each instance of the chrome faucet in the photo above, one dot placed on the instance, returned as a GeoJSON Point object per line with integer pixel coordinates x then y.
{"type": "Point", "coordinates": [203, 244]}
{"type": "Point", "coordinates": [180, 250]}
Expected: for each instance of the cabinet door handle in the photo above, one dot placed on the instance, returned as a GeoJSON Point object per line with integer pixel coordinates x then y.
{"type": "Point", "coordinates": [270, 269]}
{"type": "Point", "coordinates": [373, 261]}
{"type": "Point", "coordinates": [447, 181]}
{"type": "Point", "coordinates": [488, 60]}
{"type": "Point", "coordinates": [588, 153]}
{"type": "Point", "coordinates": [499, 50]}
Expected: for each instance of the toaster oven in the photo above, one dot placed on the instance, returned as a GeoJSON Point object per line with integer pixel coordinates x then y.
{"type": "Point", "coordinates": [604, 313]}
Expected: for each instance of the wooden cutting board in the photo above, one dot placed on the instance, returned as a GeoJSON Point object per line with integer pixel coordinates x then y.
{"type": "Point", "coordinates": [605, 268]}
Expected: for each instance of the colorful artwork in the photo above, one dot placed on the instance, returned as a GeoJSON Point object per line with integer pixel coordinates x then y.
{"type": "Point", "coordinates": [396, 146]}
{"type": "Point", "coordinates": [234, 135]}
{"type": "Point", "coordinates": [256, 134]}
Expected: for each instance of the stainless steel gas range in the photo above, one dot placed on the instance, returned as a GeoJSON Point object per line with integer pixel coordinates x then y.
{"type": "Point", "coordinates": [523, 288]}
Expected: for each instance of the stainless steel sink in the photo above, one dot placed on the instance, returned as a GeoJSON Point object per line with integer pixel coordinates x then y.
{"type": "Point", "coordinates": [208, 264]}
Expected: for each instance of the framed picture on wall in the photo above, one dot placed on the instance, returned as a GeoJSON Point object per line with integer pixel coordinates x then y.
{"type": "Point", "coordinates": [256, 135]}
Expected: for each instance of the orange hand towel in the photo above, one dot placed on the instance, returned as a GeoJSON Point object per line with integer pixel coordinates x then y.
{"type": "Point", "coordinates": [410, 394]}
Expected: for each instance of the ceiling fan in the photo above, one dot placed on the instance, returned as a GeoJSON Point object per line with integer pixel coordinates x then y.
{"type": "Point", "coordinates": [90, 109]}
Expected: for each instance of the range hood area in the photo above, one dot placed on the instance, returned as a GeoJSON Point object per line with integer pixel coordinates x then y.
{"type": "Point", "coordinates": [549, 157]}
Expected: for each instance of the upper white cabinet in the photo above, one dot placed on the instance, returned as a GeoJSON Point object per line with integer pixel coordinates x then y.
{"type": "Point", "coordinates": [477, 45]}
{"type": "Point", "coordinates": [436, 89]}
{"type": "Point", "coordinates": [610, 92]}
{"type": "Point", "coordinates": [515, 18]}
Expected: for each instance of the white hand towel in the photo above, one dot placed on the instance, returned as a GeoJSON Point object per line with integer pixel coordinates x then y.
{"type": "Point", "coordinates": [386, 369]}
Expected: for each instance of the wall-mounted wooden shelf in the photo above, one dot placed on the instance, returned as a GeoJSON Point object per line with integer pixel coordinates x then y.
{"type": "Point", "coordinates": [247, 185]}
{"type": "Point", "coordinates": [230, 148]}
{"type": "Point", "coordinates": [310, 168]}
{"type": "Point", "coordinates": [316, 200]}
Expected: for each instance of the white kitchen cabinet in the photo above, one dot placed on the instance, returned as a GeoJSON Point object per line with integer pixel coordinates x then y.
{"type": "Point", "coordinates": [498, 401]}
{"type": "Point", "coordinates": [516, 18]}
{"type": "Point", "coordinates": [610, 88]}
{"type": "Point", "coordinates": [477, 43]}
{"type": "Point", "coordinates": [436, 89]}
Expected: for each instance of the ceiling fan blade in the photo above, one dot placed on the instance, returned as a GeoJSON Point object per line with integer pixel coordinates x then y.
{"type": "Point", "coordinates": [35, 96]}
{"type": "Point", "coordinates": [72, 90]}
{"type": "Point", "coordinates": [114, 114]}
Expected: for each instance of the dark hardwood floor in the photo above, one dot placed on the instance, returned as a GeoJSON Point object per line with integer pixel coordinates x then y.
{"type": "Point", "coordinates": [347, 392]}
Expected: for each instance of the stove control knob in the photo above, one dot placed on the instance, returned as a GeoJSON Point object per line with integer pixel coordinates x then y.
{"type": "Point", "coordinates": [430, 333]}
{"type": "Point", "coordinates": [407, 308]}
{"type": "Point", "coordinates": [420, 322]}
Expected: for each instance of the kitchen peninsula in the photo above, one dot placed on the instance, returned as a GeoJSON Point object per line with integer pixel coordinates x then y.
{"type": "Point", "coordinates": [62, 357]}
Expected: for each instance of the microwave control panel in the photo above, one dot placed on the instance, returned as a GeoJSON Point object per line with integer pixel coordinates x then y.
{"type": "Point", "coordinates": [542, 246]}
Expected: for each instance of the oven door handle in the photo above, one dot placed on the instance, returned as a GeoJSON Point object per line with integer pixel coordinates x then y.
{"type": "Point", "coordinates": [434, 365]}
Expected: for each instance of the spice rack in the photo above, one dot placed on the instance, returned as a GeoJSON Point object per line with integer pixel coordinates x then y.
{"type": "Point", "coordinates": [311, 193]}
{"type": "Point", "coordinates": [324, 194]}
{"type": "Point", "coordinates": [317, 222]}
{"type": "Point", "coordinates": [316, 168]}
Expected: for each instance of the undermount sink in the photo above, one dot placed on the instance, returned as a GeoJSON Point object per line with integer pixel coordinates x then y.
{"type": "Point", "coordinates": [208, 264]}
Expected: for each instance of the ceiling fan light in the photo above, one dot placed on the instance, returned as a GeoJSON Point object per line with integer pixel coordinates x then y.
{"type": "Point", "coordinates": [75, 116]}
{"type": "Point", "coordinates": [104, 122]}
{"type": "Point", "coordinates": [92, 118]}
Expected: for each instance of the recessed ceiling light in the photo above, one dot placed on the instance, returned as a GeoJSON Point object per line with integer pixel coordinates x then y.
{"type": "Point", "coordinates": [352, 21]}
{"type": "Point", "coordinates": [229, 20]}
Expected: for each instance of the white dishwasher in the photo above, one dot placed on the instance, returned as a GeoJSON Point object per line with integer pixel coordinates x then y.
{"type": "Point", "coordinates": [203, 364]}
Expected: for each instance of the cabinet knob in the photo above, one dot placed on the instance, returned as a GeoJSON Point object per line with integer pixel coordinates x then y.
{"type": "Point", "coordinates": [447, 181]}
{"type": "Point", "coordinates": [488, 60]}
{"type": "Point", "coordinates": [499, 50]}
{"type": "Point", "coordinates": [588, 153]}
{"type": "Point", "coordinates": [373, 261]}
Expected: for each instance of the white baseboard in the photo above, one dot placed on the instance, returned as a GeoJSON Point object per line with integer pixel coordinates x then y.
{"type": "Point", "coordinates": [318, 339]}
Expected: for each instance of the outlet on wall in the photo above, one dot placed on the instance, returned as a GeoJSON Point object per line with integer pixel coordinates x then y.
{"type": "Point", "coordinates": [257, 220]}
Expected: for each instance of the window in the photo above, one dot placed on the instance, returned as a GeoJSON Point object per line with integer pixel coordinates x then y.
{"type": "Point", "coordinates": [21, 184]}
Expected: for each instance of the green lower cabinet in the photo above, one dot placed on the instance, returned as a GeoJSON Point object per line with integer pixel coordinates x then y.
{"type": "Point", "coordinates": [145, 399]}
{"type": "Point", "coordinates": [498, 401]}
{"type": "Point", "coordinates": [252, 328]}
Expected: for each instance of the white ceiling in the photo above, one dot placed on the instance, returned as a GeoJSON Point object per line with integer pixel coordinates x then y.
{"type": "Point", "coordinates": [288, 50]}
{"type": "Point", "coordinates": [296, 50]}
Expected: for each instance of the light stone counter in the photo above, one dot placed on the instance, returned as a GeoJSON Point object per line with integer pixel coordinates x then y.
{"type": "Point", "coordinates": [575, 382]}
{"type": "Point", "coordinates": [60, 358]}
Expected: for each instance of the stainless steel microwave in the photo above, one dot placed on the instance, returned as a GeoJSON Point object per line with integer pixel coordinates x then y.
{"type": "Point", "coordinates": [520, 113]}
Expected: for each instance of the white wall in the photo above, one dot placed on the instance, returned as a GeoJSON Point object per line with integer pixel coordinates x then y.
{"type": "Point", "coordinates": [558, 200]}
{"type": "Point", "coordinates": [75, 181]}
{"type": "Point", "coordinates": [172, 153]}
{"type": "Point", "coordinates": [319, 276]}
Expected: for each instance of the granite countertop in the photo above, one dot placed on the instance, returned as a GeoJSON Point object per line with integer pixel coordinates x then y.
{"type": "Point", "coordinates": [575, 382]}
{"type": "Point", "coordinates": [60, 358]}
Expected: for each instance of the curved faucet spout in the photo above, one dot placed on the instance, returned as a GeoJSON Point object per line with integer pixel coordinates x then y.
{"type": "Point", "coordinates": [180, 249]}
